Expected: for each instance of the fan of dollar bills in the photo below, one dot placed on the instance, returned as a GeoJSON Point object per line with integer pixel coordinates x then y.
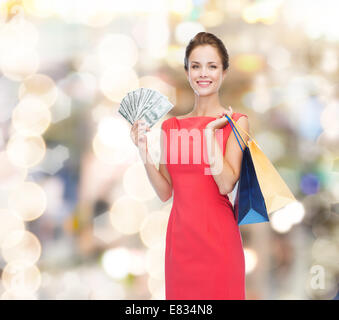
{"type": "Point", "coordinates": [143, 103]}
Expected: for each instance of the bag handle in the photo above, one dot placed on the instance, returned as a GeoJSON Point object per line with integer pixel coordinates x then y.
{"type": "Point", "coordinates": [235, 134]}
{"type": "Point", "coordinates": [234, 126]}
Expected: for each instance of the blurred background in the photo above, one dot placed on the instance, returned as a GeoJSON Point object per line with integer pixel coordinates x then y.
{"type": "Point", "coordinates": [78, 216]}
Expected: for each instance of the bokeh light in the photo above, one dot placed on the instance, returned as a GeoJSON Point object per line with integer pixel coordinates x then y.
{"type": "Point", "coordinates": [21, 245]}
{"type": "Point", "coordinates": [18, 65]}
{"type": "Point", "coordinates": [106, 145]}
{"type": "Point", "coordinates": [39, 8]}
{"type": "Point", "coordinates": [31, 117]}
{"type": "Point", "coordinates": [116, 82]}
{"type": "Point", "coordinates": [116, 50]}
{"type": "Point", "coordinates": [9, 222]}
{"type": "Point", "coordinates": [251, 260]}
{"type": "Point", "coordinates": [282, 220]}
{"type": "Point", "coordinates": [116, 262]}
{"type": "Point", "coordinates": [28, 201]}
{"type": "Point", "coordinates": [248, 63]}
{"type": "Point", "coordinates": [25, 151]}
{"type": "Point", "coordinates": [156, 288]}
{"type": "Point", "coordinates": [127, 215]}
{"type": "Point", "coordinates": [153, 229]}
{"type": "Point", "coordinates": [10, 175]}
{"type": "Point", "coordinates": [186, 31]}
{"type": "Point", "coordinates": [20, 279]}
{"type": "Point", "coordinates": [135, 183]}
{"type": "Point", "coordinates": [41, 86]}
{"type": "Point", "coordinates": [155, 260]}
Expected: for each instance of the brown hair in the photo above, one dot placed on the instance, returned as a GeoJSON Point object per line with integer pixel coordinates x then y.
{"type": "Point", "coordinates": [206, 38]}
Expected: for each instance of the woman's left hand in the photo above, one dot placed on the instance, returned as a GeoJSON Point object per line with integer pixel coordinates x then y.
{"type": "Point", "coordinates": [221, 121]}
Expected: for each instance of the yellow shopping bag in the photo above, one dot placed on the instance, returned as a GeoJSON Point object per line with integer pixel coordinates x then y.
{"type": "Point", "coordinates": [274, 189]}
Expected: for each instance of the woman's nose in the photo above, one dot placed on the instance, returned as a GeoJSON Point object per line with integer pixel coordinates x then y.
{"type": "Point", "coordinates": [203, 72]}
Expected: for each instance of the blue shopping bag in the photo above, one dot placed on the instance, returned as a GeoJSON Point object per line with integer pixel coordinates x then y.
{"type": "Point", "coordinates": [249, 203]}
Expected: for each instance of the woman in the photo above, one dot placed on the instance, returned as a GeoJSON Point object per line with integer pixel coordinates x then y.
{"type": "Point", "coordinates": [204, 255]}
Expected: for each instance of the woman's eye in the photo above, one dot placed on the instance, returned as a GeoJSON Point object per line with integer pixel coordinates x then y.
{"type": "Point", "coordinates": [194, 67]}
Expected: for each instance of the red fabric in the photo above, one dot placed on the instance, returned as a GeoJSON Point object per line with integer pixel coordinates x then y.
{"type": "Point", "coordinates": [204, 256]}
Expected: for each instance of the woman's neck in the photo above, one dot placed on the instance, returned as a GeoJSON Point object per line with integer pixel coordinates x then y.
{"type": "Point", "coordinates": [206, 106]}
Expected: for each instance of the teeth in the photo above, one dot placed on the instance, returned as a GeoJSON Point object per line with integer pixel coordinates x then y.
{"type": "Point", "coordinates": [204, 82]}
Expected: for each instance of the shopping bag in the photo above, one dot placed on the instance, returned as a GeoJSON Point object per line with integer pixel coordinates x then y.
{"type": "Point", "coordinates": [274, 189]}
{"type": "Point", "coordinates": [249, 203]}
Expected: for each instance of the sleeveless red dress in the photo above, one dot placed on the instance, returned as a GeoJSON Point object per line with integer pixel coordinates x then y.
{"type": "Point", "coordinates": [204, 257]}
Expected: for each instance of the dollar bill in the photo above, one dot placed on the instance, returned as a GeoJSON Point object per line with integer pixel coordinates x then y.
{"type": "Point", "coordinates": [144, 103]}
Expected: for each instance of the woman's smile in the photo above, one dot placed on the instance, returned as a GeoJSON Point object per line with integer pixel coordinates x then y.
{"type": "Point", "coordinates": [204, 84]}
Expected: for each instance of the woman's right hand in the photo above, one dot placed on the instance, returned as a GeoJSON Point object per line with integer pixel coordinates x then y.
{"type": "Point", "coordinates": [138, 134]}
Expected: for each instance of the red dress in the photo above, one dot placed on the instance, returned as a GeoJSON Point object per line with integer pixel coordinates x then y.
{"type": "Point", "coordinates": [204, 257]}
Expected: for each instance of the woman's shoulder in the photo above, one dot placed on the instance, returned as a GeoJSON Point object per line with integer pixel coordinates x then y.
{"type": "Point", "coordinates": [237, 115]}
{"type": "Point", "coordinates": [167, 122]}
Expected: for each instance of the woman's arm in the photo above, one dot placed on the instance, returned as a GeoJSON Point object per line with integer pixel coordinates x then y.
{"type": "Point", "coordinates": [160, 179]}
{"type": "Point", "coordinates": [226, 170]}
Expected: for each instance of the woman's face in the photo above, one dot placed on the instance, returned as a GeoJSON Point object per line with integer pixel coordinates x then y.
{"type": "Point", "coordinates": [205, 73]}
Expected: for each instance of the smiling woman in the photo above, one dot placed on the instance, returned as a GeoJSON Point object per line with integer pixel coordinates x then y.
{"type": "Point", "coordinates": [203, 240]}
{"type": "Point", "coordinates": [206, 63]}
{"type": "Point", "coordinates": [204, 257]}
